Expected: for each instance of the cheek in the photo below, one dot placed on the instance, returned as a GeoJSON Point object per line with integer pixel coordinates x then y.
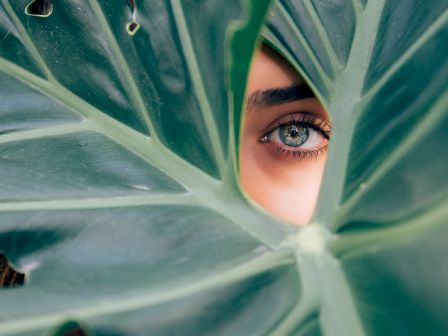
{"type": "Point", "coordinates": [286, 188]}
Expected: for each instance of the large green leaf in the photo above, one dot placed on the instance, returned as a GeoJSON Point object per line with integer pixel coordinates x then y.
{"type": "Point", "coordinates": [119, 198]}
{"type": "Point", "coordinates": [381, 68]}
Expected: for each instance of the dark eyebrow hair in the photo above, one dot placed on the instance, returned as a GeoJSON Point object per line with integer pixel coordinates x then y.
{"type": "Point", "coordinates": [278, 96]}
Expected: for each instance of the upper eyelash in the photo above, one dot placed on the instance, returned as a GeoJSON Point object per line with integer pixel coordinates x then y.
{"type": "Point", "coordinates": [315, 127]}
{"type": "Point", "coordinates": [320, 125]}
{"type": "Point", "coordinates": [323, 127]}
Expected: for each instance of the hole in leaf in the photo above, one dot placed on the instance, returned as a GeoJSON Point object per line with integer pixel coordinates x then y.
{"type": "Point", "coordinates": [74, 332]}
{"type": "Point", "coordinates": [39, 8]}
{"type": "Point", "coordinates": [9, 277]}
{"type": "Point", "coordinates": [132, 27]}
{"type": "Point", "coordinates": [70, 328]}
{"type": "Point", "coordinates": [284, 140]}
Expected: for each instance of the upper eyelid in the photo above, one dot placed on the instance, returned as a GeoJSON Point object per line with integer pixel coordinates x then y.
{"type": "Point", "coordinates": [307, 117]}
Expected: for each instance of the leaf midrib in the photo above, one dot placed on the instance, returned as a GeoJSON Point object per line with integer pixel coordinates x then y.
{"type": "Point", "coordinates": [345, 112]}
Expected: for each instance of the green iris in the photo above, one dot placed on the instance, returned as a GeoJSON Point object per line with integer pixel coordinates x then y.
{"type": "Point", "coordinates": [294, 135]}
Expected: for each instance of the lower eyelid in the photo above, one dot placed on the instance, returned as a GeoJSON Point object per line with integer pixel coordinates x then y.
{"type": "Point", "coordinates": [299, 154]}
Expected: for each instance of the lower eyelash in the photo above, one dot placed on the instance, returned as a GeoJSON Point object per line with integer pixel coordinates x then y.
{"type": "Point", "coordinates": [299, 155]}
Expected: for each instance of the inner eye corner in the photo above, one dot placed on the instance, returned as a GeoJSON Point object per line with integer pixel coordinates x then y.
{"type": "Point", "coordinates": [9, 277]}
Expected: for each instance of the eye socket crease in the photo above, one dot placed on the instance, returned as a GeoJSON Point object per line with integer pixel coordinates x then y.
{"type": "Point", "coordinates": [278, 96]}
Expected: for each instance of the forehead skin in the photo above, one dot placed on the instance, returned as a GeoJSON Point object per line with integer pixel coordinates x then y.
{"type": "Point", "coordinates": [271, 71]}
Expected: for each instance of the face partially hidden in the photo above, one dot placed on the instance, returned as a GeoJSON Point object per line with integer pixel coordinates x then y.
{"type": "Point", "coordinates": [285, 139]}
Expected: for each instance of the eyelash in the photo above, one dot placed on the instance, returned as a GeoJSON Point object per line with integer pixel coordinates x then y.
{"type": "Point", "coordinates": [305, 120]}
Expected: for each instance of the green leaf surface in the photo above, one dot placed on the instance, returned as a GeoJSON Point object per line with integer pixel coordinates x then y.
{"type": "Point", "coordinates": [119, 194]}
{"type": "Point", "coordinates": [114, 150]}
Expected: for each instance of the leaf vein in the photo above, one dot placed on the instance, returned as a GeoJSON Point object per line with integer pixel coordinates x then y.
{"type": "Point", "coordinates": [28, 42]}
{"type": "Point", "coordinates": [125, 72]}
{"type": "Point", "coordinates": [335, 64]}
{"type": "Point", "coordinates": [432, 118]}
{"type": "Point", "coordinates": [199, 87]}
{"type": "Point", "coordinates": [309, 51]}
{"type": "Point", "coordinates": [430, 32]}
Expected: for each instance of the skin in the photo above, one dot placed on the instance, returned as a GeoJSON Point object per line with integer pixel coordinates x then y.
{"type": "Point", "coordinates": [283, 179]}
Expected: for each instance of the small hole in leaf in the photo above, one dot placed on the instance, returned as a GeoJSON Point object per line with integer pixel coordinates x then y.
{"type": "Point", "coordinates": [9, 277]}
{"type": "Point", "coordinates": [39, 8]}
{"type": "Point", "coordinates": [74, 332]}
{"type": "Point", "coordinates": [70, 328]}
{"type": "Point", "coordinates": [132, 27]}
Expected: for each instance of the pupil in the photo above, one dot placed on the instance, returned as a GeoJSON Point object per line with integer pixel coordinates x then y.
{"type": "Point", "coordinates": [294, 135]}
{"type": "Point", "coordinates": [294, 132]}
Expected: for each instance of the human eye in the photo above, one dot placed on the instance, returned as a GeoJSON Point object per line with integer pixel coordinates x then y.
{"type": "Point", "coordinates": [297, 136]}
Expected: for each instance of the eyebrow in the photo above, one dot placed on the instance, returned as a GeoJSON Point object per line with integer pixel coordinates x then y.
{"type": "Point", "coordinates": [278, 96]}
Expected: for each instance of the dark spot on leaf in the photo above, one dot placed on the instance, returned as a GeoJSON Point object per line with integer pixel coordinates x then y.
{"type": "Point", "coordinates": [9, 277]}
{"type": "Point", "coordinates": [39, 8]}
{"type": "Point", "coordinates": [132, 26]}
